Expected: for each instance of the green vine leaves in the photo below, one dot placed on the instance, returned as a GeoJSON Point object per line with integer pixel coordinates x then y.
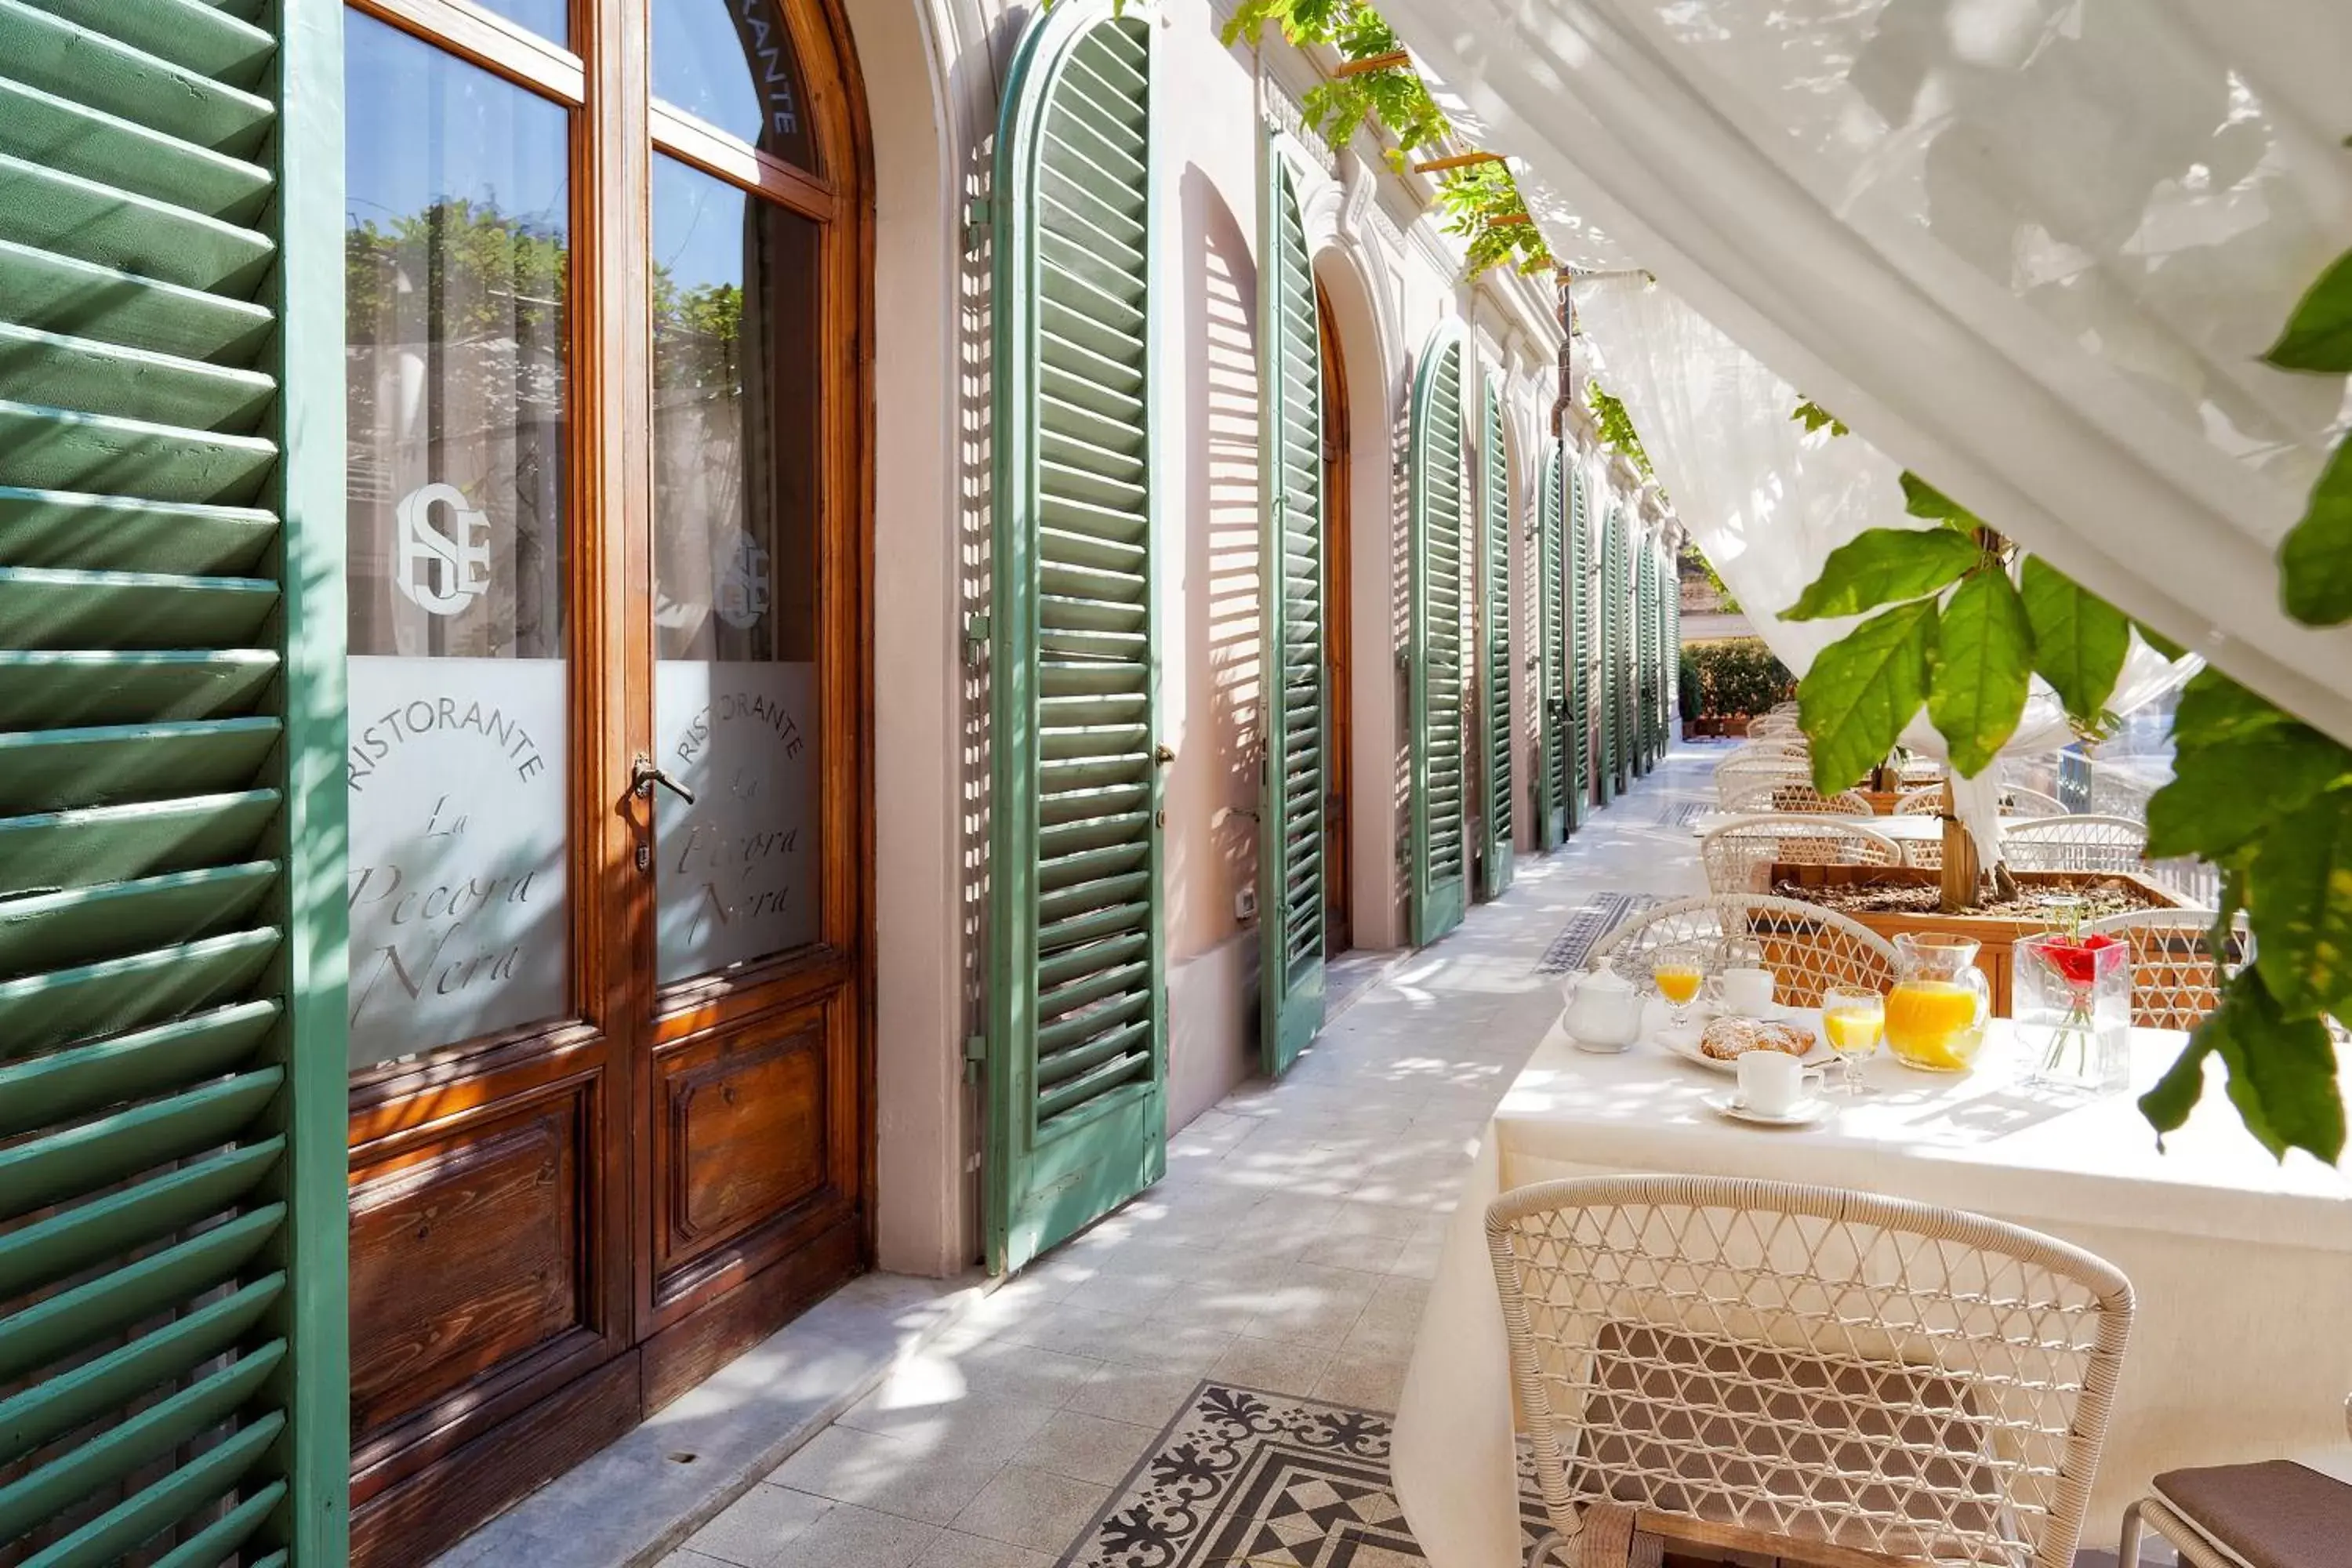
{"type": "Point", "coordinates": [2315, 557]}
{"type": "Point", "coordinates": [1482, 201]}
{"type": "Point", "coordinates": [1616, 425]}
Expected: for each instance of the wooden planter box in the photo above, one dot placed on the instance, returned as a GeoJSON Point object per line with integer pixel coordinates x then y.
{"type": "Point", "coordinates": [1994, 934]}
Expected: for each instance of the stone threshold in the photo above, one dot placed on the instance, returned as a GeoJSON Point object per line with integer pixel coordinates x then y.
{"type": "Point", "coordinates": [631, 1503]}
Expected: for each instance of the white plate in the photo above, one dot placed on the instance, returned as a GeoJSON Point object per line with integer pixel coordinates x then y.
{"type": "Point", "coordinates": [1804, 1113]}
{"type": "Point", "coordinates": [1683, 1043]}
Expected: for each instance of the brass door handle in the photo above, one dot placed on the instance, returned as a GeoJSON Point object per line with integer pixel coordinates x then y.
{"type": "Point", "coordinates": [644, 774]}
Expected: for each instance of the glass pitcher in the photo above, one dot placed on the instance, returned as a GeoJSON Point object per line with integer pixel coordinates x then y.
{"type": "Point", "coordinates": [1936, 1013]}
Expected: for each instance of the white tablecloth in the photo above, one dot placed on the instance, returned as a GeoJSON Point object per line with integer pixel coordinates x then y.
{"type": "Point", "coordinates": [2242, 1266]}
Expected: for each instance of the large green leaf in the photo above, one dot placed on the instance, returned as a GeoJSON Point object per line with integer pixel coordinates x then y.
{"type": "Point", "coordinates": [2079, 640]}
{"type": "Point", "coordinates": [2167, 1105]}
{"type": "Point", "coordinates": [1981, 671]}
{"type": "Point", "coordinates": [1882, 565]}
{"type": "Point", "coordinates": [2216, 711]}
{"type": "Point", "coordinates": [2281, 1071]}
{"type": "Point", "coordinates": [1921, 498]}
{"type": "Point", "coordinates": [2318, 336]}
{"type": "Point", "coordinates": [2221, 796]}
{"type": "Point", "coordinates": [2157, 640]}
{"type": "Point", "coordinates": [1861, 690]}
{"type": "Point", "coordinates": [2302, 907]}
{"type": "Point", "coordinates": [2316, 558]}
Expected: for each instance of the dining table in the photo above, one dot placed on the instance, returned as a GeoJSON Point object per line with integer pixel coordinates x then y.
{"type": "Point", "coordinates": [2241, 1264]}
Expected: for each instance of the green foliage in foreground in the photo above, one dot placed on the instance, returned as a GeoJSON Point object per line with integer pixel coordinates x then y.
{"type": "Point", "coordinates": [2264, 797]}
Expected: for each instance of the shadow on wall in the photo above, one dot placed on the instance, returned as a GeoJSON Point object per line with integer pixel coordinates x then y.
{"type": "Point", "coordinates": [1216, 652]}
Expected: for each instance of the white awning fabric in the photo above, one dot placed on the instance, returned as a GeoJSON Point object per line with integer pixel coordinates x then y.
{"type": "Point", "coordinates": [2029, 248]}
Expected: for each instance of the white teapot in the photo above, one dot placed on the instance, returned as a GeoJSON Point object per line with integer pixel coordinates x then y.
{"type": "Point", "coordinates": [1604, 1009]}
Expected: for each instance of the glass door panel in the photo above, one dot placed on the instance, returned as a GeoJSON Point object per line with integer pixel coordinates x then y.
{"type": "Point", "coordinates": [730, 64]}
{"type": "Point", "coordinates": [458, 265]}
{"type": "Point", "coordinates": [737, 401]}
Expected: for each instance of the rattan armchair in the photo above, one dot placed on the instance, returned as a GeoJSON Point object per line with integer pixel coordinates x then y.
{"type": "Point", "coordinates": [2083, 843]}
{"type": "Point", "coordinates": [2016, 800]}
{"type": "Point", "coordinates": [2172, 972]}
{"type": "Point", "coordinates": [1926, 802]}
{"type": "Point", "coordinates": [1802, 1372]}
{"type": "Point", "coordinates": [1739, 856]}
{"type": "Point", "coordinates": [1788, 792]}
{"type": "Point", "coordinates": [1809, 948]}
{"type": "Point", "coordinates": [2273, 1512]}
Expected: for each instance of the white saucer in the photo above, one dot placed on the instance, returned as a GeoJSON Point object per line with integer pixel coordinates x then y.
{"type": "Point", "coordinates": [1804, 1113]}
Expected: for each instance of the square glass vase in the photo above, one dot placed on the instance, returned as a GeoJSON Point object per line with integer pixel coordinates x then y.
{"type": "Point", "coordinates": [2070, 1002]}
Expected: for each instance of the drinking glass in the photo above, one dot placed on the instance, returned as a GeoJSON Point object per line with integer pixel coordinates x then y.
{"type": "Point", "coordinates": [1679, 972]}
{"type": "Point", "coordinates": [1853, 1021]}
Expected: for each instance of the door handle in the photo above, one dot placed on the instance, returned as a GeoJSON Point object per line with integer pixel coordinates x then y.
{"type": "Point", "coordinates": [644, 774]}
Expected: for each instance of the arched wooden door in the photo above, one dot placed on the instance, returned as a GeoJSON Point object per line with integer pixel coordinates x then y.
{"type": "Point", "coordinates": [608, 598]}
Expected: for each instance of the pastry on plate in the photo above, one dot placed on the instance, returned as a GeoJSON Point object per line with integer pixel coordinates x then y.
{"type": "Point", "coordinates": [1729, 1039]}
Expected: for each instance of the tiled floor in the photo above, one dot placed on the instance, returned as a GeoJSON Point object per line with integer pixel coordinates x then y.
{"type": "Point", "coordinates": [1289, 1249]}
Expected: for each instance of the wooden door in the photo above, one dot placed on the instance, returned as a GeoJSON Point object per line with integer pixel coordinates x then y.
{"type": "Point", "coordinates": [1292, 844]}
{"type": "Point", "coordinates": [1078, 1038]}
{"type": "Point", "coordinates": [607, 515]}
{"type": "Point", "coordinates": [1338, 900]}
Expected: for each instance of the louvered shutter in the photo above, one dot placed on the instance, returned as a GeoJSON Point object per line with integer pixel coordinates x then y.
{"type": "Point", "coordinates": [1673, 651]}
{"type": "Point", "coordinates": [1078, 1034]}
{"type": "Point", "coordinates": [1613, 657]}
{"type": "Point", "coordinates": [1440, 843]}
{"type": "Point", "coordinates": [1645, 660]}
{"type": "Point", "coordinates": [1583, 640]}
{"type": "Point", "coordinates": [1555, 755]}
{"type": "Point", "coordinates": [173, 1378]}
{"type": "Point", "coordinates": [1494, 629]}
{"type": "Point", "coordinates": [1290, 815]}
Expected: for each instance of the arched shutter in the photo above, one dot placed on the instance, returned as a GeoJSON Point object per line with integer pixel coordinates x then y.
{"type": "Point", "coordinates": [172, 1295]}
{"type": "Point", "coordinates": [1494, 628]}
{"type": "Point", "coordinates": [1555, 758]}
{"type": "Point", "coordinates": [1583, 645]}
{"type": "Point", "coordinates": [1290, 815]}
{"type": "Point", "coordinates": [1077, 1013]}
{"type": "Point", "coordinates": [1646, 659]}
{"type": "Point", "coordinates": [1440, 843]}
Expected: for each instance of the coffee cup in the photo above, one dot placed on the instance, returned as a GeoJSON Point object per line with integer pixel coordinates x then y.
{"type": "Point", "coordinates": [1772, 1083]}
{"type": "Point", "coordinates": [1746, 992]}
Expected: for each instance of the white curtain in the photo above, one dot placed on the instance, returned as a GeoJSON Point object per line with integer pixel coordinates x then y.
{"type": "Point", "coordinates": [1768, 500]}
{"type": "Point", "coordinates": [2030, 248]}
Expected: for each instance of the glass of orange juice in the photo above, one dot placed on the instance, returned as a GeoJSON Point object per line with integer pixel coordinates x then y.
{"type": "Point", "coordinates": [1679, 972]}
{"type": "Point", "coordinates": [1853, 1021]}
{"type": "Point", "coordinates": [1936, 1013]}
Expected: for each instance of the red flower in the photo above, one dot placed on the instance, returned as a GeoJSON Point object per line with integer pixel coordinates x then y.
{"type": "Point", "coordinates": [2076, 958]}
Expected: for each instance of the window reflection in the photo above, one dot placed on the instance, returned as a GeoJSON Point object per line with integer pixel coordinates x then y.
{"type": "Point", "coordinates": [737, 409]}
{"type": "Point", "coordinates": [731, 64]}
{"type": "Point", "coordinates": [551, 19]}
{"type": "Point", "coordinates": [456, 260]}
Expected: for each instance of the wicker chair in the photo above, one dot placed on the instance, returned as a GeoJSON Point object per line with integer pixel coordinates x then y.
{"type": "Point", "coordinates": [1809, 948]}
{"type": "Point", "coordinates": [1792, 750]}
{"type": "Point", "coordinates": [1785, 1369]}
{"type": "Point", "coordinates": [2172, 974]}
{"type": "Point", "coordinates": [1741, 769]}
{"type": "Point", "coordinates": [1789, 793]}
{"type": "Point", "coordinates": [1773, 726]}
{"type": "Point", "coordinates": [1928, 802]}
{"type": "Point", "coordinates": [2083, 843]}
{"type": "Point", "coordinates": [2016, 800]}
{"type": "Point", "coordinates": [2225, 1516]}
{"type": "Point", "coordinates": [1739, 856]}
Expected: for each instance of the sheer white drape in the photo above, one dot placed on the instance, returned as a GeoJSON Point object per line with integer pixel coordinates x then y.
{"type": "Point", "coordinates": [2030, 248]}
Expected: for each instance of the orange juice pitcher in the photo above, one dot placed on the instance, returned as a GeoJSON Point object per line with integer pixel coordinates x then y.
{"type": "Point", "coordinates": [1936, 1013]}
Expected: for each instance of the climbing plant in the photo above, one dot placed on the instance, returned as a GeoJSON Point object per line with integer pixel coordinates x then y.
{"type": "Point", "coordinates": [1480, 201]}
{"type": "Point", "coordinates": [1617, 430]}
{"type": "Point", "coordinates": [2264, 797]}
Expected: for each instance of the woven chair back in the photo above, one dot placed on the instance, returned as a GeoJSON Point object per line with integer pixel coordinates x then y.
{"type": "Point", "coordinates": [1809, 949]}
{"type": "Point", "coordinates": [2172, 968]}
{"type": "Point", "coordinates": [2087, 843]}
{"type": "Point", "coordinates": [1739, 856]}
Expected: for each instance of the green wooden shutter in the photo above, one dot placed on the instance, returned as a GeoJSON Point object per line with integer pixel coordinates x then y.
{"type": "Point", "coordinates": [1078, 1023]}
{"type": "Point", "coordinates": [1613, 644]}
{"type": "Point", "coordinates": [1290, 813]}
{"type": "Point", "coordinates": [1673, 651]}
{"type": "Point", "coordinates": [1439, 844]}
{"type": "Point", "coordinates": [173, 1297]}
{"type": "Point", "coordinates": [1646, 660]}
{"type": "Point", "coordinates": [1582, 640]}
{"type": "Point", "coordinates": [1556, 762]}
{"type": "Point", "coordinates": [1498, 821]}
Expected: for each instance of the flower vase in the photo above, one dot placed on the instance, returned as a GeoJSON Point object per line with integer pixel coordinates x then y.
{"type": "Point", "coordinates": [2070, 999]}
